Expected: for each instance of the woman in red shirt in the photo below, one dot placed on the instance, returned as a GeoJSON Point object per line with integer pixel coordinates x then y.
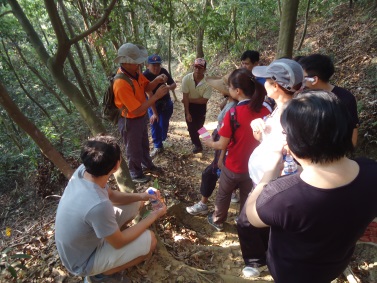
{"type": "Point", "coordinates": [237, 138]}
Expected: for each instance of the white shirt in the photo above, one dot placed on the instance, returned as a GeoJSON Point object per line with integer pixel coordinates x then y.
{"type": "Point", "coordinates": [273, 140]}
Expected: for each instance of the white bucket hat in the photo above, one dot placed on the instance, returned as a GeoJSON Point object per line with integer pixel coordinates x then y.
{"type": "Point", "coordinates": [220, 84]}
{"type": "Point", "coordinates": [132, 54]}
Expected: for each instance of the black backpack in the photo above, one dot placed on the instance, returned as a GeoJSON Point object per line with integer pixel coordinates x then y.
{"type": "Point", "coordinates": [110, 111]}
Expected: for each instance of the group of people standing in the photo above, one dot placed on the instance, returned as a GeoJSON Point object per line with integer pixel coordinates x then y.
{"type": "Point", "coordinates": [304, 226]}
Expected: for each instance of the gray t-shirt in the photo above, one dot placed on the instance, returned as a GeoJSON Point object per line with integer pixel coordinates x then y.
{"type": "Point", "coordinates": [85, 216]}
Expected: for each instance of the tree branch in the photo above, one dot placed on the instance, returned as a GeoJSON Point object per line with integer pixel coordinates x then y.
{"type": "Point", "coordinates": [97, 25]}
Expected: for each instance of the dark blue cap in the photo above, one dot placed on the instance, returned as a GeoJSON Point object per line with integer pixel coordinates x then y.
{"type": "Point", "coordinates": [154, 59]}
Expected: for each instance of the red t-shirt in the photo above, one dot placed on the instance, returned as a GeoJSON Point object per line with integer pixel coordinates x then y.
{"type": "Point", "coordinates": [240, 148]}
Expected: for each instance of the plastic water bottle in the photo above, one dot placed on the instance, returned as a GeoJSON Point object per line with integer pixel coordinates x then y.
{"type": "Point", "coordinates": [155, 203]}
{"type": "Point", "coordinates": [290, 166]}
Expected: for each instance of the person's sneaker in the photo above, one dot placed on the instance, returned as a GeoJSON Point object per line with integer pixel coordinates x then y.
{"type": "Point", "coordinates": [100, 278]}
{"type": "Point", "coordinates": [156, 151]}
{"type": "Point", "coordinates": [235, 198]}
{"type": "Point", "coordinates": [197, 149]}
{"type": "Point", "coordinates": [142, 179]}
{"type": "Point", "coordinates": [153, 170]}
{"type": "Point", "coordinates": [197, 208]}
{"type": "Point", "coordinates": [250, 271]}
{"type": "Point", "coordinates": [218, 227]}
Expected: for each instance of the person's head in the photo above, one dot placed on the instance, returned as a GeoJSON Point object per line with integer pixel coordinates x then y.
{"type": "Point", "coordinates": [285, 75]}
{"type": "Point", "coordinates": [241, 80]}
{"type": "Point", "coordinates": [200, 66]}
{"type": "Point", "coordinates": [100, 155]}
{"type": "Point", "coordinates": [154, 64]}
{"type": "Point", "coordinates": [317, 125]}
{"type": "Point", "coordinates": [317, 67]}
{"type": "Point", "coordinates": [298, 58]}
{"type": "Point", "coordinates": [130, 56]}
{"type": "Point", "coordinates": [249, 59]}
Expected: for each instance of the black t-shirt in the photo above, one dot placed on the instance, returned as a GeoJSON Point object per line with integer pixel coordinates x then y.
{"type": "Point", "coordinates": [151, 77]}
{"type": "Point", "coordinates": [313, 230]}
{"type": "Point", "coordinates": [349, 100]}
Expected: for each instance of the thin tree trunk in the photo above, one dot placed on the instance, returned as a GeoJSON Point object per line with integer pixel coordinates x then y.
{"type": "Point", "coordinates": [81, 81]}
{"type": "Point", "coordinates": [87, 81]}
{"type": "Point", "coordinates": [279, 5]}
{"type": "Point", "coordinates": [305, 26]}
{"type": "Point", "coordinates": [44, 111]}
{"type": "Point", "coordinates": [11, 134]}
{"type": "Point", "coordinates": [234, 16]}
{"type": "Point", "coordinates": [39, 76]}
{"type": "Point", "coordinates": [39, 138]}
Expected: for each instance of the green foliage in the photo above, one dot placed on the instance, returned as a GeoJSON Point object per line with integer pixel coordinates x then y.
{"type": "Point", "coordinates": [12, 263]}
{"type": "Point", "coordinates": [230, 27]}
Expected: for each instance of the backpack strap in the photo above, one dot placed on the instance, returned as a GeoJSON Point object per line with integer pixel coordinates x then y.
{"type": "Point", "coordinates": [233, 121]}
{"type": "Point", "coordinates": [126, 78]}
{"type": "Point", "coordinates": [129, 81]}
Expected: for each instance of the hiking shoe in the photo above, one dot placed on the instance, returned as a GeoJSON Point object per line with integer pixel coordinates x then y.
{"type": "Point", "coordinates": [235, 198]}
{"type": "Point", "coordinates": [219, 227]}
{"type": "Point", "coordinates": [197, 149]}
{"type": "Point", "coordinates": [250, 271]}
{"type": "Point", "coordinates": [142, 179]}
{"type": "Point", "coordinates": [153, 170]}
{"type": "Point", "coordinates": [156, 151]}
{"type": "Point", "coordinates": [197, 208]}
{"type": "Point", "coordinates": [113, 278]}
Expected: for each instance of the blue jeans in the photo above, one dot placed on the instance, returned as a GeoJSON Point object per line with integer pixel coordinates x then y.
{"type": "Point", "coordinates": [159, 129]}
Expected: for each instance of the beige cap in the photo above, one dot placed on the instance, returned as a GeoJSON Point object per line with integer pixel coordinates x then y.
{"type": "Point", "coordinates": [219, 83]}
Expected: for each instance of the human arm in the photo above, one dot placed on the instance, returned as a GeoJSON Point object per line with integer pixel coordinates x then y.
{"type": "Point", "coordinates": [220, 162]}
{"type": "Point", "coordinates": [172, 86]}
{"type": "Point", "coordinates": [222, 143]}
{"type": "Point", "coordinates": [185, 101]}
{"type": "Point", "coordinates": [160, 79]}
{"type": "Point", "coordinates": [154, 117]}
{"type": "Point", "coordinates": [161, 91]}
{"type": "Point", "coordinates": [272, 173]}
{"type": "Point", "coordinates": [117, 197]}
{"type": "Point", "coordinates": [121, 238]}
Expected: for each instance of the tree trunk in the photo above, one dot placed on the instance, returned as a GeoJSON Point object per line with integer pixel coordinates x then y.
{"type": "Point", "coordinates": [86, 80]}
{"type": "Point", "coordinates": [46, 84]}
{"type": "Point", "coordinates": [279, 6]}
{"type": "Point", "coordinates": [199, 43]}
{"type": "Point", "coordinates": [55, 64]}
{"type": "Point", "coordinates": [305, 26]}
{"type": "Point", "coordinates": [39, 138]}
{"type": "Point", "coordinates": [287, 29]}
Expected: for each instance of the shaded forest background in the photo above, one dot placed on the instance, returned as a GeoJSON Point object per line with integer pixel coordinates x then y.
{"type": "Point", "coordinates": [55, 57]}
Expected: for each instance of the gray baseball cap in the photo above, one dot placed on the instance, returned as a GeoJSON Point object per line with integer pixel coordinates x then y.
{"type": "Point", "coordinates": [285, 72]}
